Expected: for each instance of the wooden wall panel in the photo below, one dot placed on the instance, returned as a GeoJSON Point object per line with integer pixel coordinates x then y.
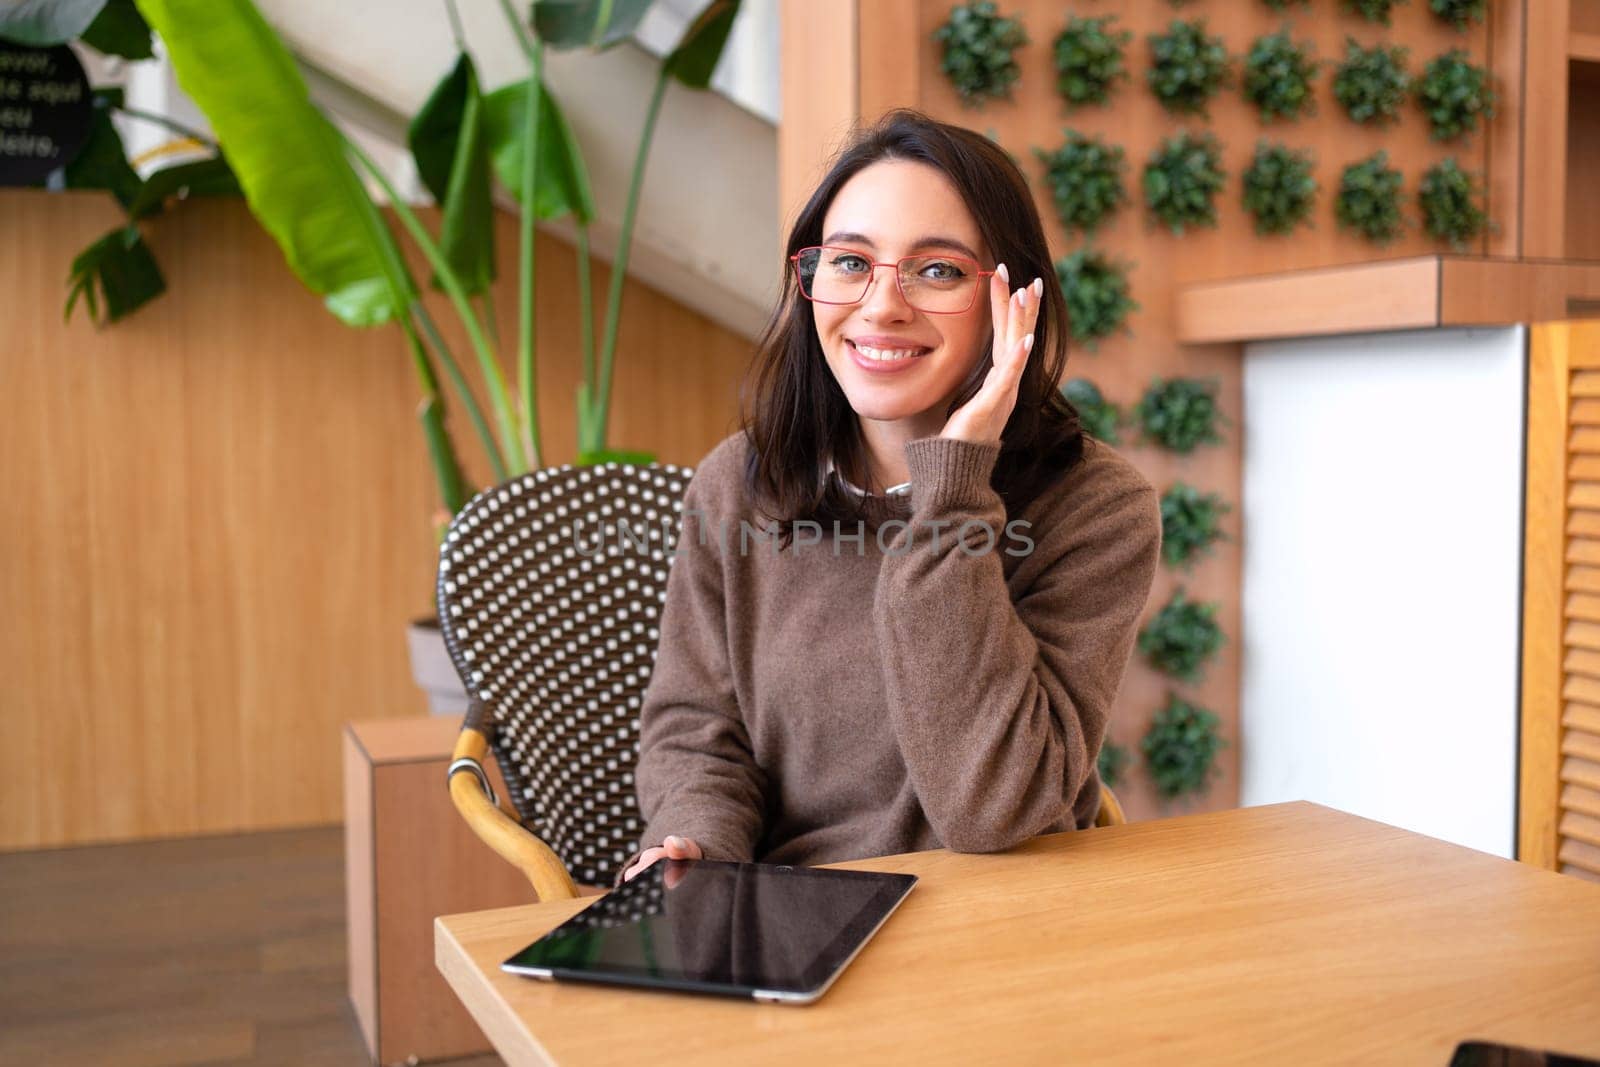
{"type": "Point", "coordinates": [1582, 223]}
{"type": "Point", "coordinates": [1544, 134]}
{"type": "Point", "coordinates": [818, 75]}
{"type": "Point", "coordinates": [896, 44]}
{"type": "Point", "coordinates": [217, 518]}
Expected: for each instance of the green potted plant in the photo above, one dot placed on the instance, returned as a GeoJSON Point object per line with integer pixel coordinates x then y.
{"type": "Point", "coordinates": [1181, 747]}
{"type": "Point", "coordinates": [1191, 524]}
{"type": "Point", "coordinates": [1099, 416]}
{"type": "Point", "coordinates": [1451, 201]}
{"type": "Point", "coordinates": [304, 183]}
{"type": "Point", "coordinates": [1112, 763]}
{"type": "Point", "coordinates": [1371, 84]}
{"type": "Point", "coordinates": [1182, 179]}
{"type": "Point", "coordinates": [1279, 188]}
{"type": "Point", "coordinates": [1459, 13]}
{"type": "Point", "coordinates": [1278, 76]}
{"type": "Point", "coordinates": [1369, 199]}
{"type": "Point", "coordinates": [979, 51]}
{"type": "Point", "coordinates": [1085, 179]}
{"type": "Point", "coordinates": [1180, 414]}
{"type": "Point", "coordinates": [1455, 94]}
{"type": "Point", "coordinates": [1096, 291]}
{"type": "Point", "coordinates": [1182, 637]}
{"type": "Point", "coordinates": [1090, 59]}
{"type": "Point", "coordinates": [1187, 67]}
{"type": "Point", "coordinates": [1372, 10]}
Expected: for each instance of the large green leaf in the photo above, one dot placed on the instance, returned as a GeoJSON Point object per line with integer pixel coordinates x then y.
{"type": "Point", "coordinates": [204, 177]}
{"type": "Point", "coordinates": [698, 53]}
{"type": "Point", "coordinates": [563, 180]}
{"type": "Point", "coordinates": [119, 30]}
{"type": "Point", "coordinates": [46, 22]}
{"type": "Point", "coordinates": [452, 157]}
{"type": "Point", "coordinates": [120, 267]}
{"type": "Point", "coordinates": [600, 24]}
{"type": "Point", "coordinates": [289, 159]}
{"type": "Point", "coordinates": [103, 163]}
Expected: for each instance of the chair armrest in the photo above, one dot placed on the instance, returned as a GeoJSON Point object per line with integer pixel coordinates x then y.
{"type": "Point", "coordinates": [500, 830]}
{"type": "Point", "coordinates": [1110, 813]}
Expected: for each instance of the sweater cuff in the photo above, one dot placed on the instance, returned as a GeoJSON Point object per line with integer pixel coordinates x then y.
{"type": "Point", "coordinates": [948, 473]}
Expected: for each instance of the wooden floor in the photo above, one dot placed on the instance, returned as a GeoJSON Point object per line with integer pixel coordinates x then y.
{"type": "Point", "coordinates": [215, 950]}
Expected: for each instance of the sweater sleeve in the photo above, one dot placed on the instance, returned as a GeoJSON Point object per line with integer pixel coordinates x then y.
{"type": "Point", "coordinates": [696, 776]}
{"type": "Point", "coordinates": [999, 708]}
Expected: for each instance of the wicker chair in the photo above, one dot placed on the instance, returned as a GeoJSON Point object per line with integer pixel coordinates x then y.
{"type": "Point", "coordinates": [550, 594]}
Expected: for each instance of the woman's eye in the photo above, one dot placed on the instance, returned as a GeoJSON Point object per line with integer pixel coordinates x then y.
{"type": "Point", "coordinates": [848, 263]}
{"type": "Point", "coordinates": [943, 271]}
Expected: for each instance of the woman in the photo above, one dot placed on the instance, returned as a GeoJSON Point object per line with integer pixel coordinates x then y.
{"type": "Point", "coordinates": [925, 651]}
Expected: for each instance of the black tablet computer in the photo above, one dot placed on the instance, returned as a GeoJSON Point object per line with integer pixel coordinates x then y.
{"type": "Point", "coordinates": [770, 933]}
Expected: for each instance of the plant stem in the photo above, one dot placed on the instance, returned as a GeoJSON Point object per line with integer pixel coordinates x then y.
{"type": "Point", "coordinates": [619, 265]}
{"type": "Point", "coordinates": [453, 492]}
{"type": "Point", "coordinates": [174, 126]}
{"type": "Point", "coordinates": [497, 462]}
{"type": "Point", "coordinates": [491, 321]}
{"type": "Point", "coordinates": [487, 358]}
{"type": "Point", "coordinates": [586, 328]}
{"type": "Point", "coordinates": [526, 368]}
{"type": "Point", "coordinates": [455, 25]}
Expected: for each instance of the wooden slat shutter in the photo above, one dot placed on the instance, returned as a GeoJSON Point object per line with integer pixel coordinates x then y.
{"type": "Point", "coordinates": [1559, 802]}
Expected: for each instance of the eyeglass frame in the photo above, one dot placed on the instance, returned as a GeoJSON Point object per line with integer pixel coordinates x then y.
{"type": "Point", "coordinates": [899, 284]}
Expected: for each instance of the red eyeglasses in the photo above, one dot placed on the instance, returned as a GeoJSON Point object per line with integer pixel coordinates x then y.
{"type": "Point", "coordinates": [936, 283]}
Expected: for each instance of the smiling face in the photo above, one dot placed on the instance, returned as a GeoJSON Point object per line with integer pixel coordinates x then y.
{"type": "Point", "coordinates": [892, 209]}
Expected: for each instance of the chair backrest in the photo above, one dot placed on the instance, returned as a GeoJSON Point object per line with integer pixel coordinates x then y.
{"type": "Point", "coordinates": [550, 593]}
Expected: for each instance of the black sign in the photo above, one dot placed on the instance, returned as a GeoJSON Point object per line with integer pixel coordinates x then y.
{"type": "Point", "coordinates": [45, 110]}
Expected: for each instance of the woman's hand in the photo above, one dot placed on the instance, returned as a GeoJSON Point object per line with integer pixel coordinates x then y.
{"type": "Point", "coordinates": [673, 848]}
{"type": "Point", "coordinates": [982, 418]}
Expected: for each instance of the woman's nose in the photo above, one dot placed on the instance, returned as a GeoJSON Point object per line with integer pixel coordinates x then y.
{"type": "Point", "coordinates": [883, 297]}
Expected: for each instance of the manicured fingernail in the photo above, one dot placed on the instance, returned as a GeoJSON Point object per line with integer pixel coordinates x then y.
{"type": "Point", "coordinates": [1004, 276]}
{"type": "Point", "coordinates": [1038, 287]}
{"type": "Point", "coordinates": [1027, 343]}
{"type": "Point", "coordinates": [671, 840]}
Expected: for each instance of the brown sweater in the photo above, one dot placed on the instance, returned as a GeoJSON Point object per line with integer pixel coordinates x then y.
{"type": "Point", "coordinates": [902, 690]}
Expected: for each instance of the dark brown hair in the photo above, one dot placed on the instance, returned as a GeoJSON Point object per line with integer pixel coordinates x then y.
{"type": "Point", "coordinates": [795, 415]}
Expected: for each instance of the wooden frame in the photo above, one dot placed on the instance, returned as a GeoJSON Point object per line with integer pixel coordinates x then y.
{"type": "Point", "coordinates": [496, 823]}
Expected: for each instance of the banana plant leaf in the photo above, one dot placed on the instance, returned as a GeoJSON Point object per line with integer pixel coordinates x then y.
{"type": "Point", "coordinates": [563, 180]}
{"type": "Point", "coordinates": [612, 455]}
{"type": "Point", "coordinates": [103, 163]}
{"type": "Point", "coordinates": [289, 159]}
{"type": "Point", "coordinates": [42, 23]}
{"type": "Point", "coordinates": [700, 50]}
{"type": "Point", "coordinates": [118, 267]}
{"type": "Point", "coordinates": [205, 177]}
{"type": "Point", "coordinates": [452, 155]}
{"type": "Point", "coordinates": [599, 24]}
{"type": "Point", "coordinates": [119, 30]}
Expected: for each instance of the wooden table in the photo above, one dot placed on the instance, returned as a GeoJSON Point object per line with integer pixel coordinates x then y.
{"type": "Point", "coordinates": [1283, 934]}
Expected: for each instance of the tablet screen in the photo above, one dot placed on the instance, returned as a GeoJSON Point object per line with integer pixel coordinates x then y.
{"type": "Point", "coordinates": [713, 926]}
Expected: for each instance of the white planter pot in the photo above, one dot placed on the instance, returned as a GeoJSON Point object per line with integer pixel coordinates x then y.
{"type": "Point", "coordinates": [432, 669]}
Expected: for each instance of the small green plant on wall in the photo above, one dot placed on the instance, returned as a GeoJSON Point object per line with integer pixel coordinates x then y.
{"type": "Point", "coordinates": [1278, 75]}
{"type": "Point", "coordinates": [1182, 637]}
{"type": "Point", "coordinates": [1454, 93]}
{"type": "Point", "coordinates": [1279, 188]}
{"type": "Point", "coordinates": [1100, 417]}
{"type": "Point", "coordinates": [1181, 748]}
{"type": "Point", "coordinates": [1096, 291]}
{"type": "Point", "coordinates": [1113, 763]}
{"type": "Point", "coordinates": [1459, 13]}
{"type": "Point", "coordinates": [1284, 5]}
{"type": "Point", "coordinates": [1085, 179]}
{"type": "Point", "coordinates": [1090, 59]}
{"type": "Point", "coordinates": [1451, 201]}
{"type": "Point", "coordinates": [1369, 199]}
{"type": "Point", "coordinates": [1372, 10]}
{"type": "Point", "coordinates": [1191, 524]}
{"type": "Point", "coordinates": [979, 46]}
{"type": "Point", "coordinates": [1371, 84]}
{"type": "Point", "coordinates": [1182, 179]}
{"type": "Point", "coordinates": [1180, 414]}
{"type": "Point", "coordinates": [1187, 68]}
